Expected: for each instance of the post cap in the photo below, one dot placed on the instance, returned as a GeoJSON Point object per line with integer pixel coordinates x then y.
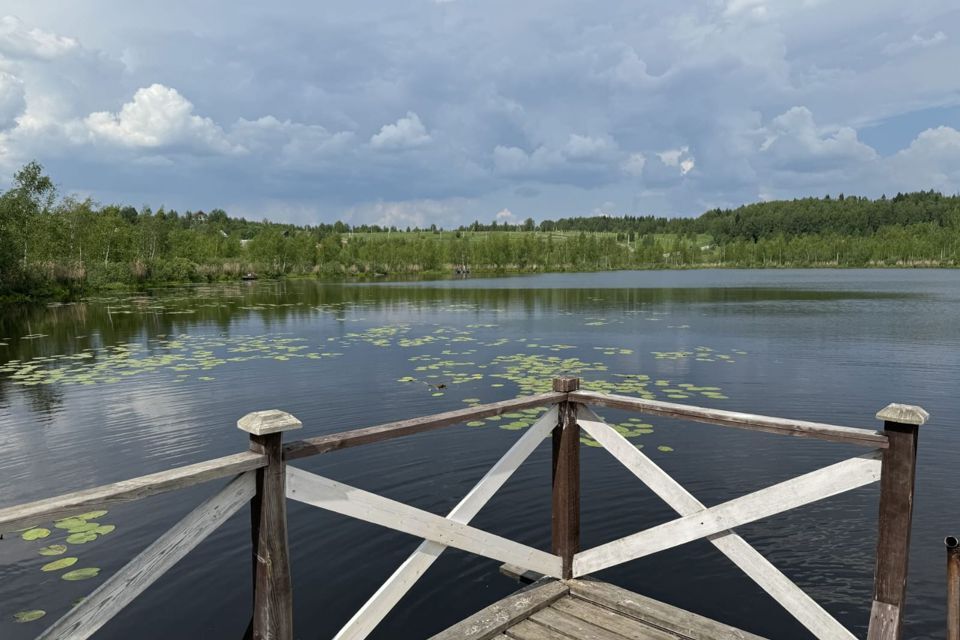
{"type": "Point", "coordinates": [566, 383]}
{"type": "Point", "coordinates": [260, 423]}
{"type": "Point", "coordinates": [903, 414]}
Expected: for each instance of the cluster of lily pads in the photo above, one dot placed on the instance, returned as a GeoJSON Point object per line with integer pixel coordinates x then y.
{"type": "Point", "coordinates": [75, 530]}
{"type": "Point", "coordinates": [700, 354]}
{"type": "Point", "coordinates": [182, 355]}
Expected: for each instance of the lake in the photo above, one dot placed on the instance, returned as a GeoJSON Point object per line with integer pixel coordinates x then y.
{"type": "Point", "coordinates": [127, 384]}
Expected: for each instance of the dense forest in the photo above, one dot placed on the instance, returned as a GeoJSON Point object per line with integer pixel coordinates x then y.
{"type": "Point", "coordinates": [60, 247]}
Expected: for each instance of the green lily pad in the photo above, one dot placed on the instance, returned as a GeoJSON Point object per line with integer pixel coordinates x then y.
{"type": "Point", "coordinates": [104, 529]}
{"type": "Point", "coordinates": [82, 528]}
{"type": "Point", "coordinates": [35, 534]}
{"type": "Point", "coordinates": [53, 550]}
{"type": "Point", "coordinates": [81, 538]}
{"type": "Point", "coordinates": [56, 565]}
{"type": "Point", "coordinates": [664, 448]}
{"type": "Point", "coordinates": [81, 574]}
{"type": "Point", "coordinates": [29, 616]}
{"type": "Point", "coordinates": [476, 423]}
{"type": "Point", "coordinates": [69, 523]}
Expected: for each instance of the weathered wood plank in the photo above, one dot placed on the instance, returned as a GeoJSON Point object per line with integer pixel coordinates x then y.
{"type": "Point", "coordinates": [530, 630]}
{"type": "Point", "coordinates": [363, 505]}
{"type": "Point", "coordinates": [390, 430]}
{"type": "Point", "coordinates": [885, 620]}
{"type": "Point", "coordinates": [121, 588]}
{"type": "Point", "coordinates": [501, 615]}
{"type": "Point", "coordinates": [817, 485]}
{"type": "Point", "coordinates": [626, 626]}
{"type": "Point", "coordinates": [806, 610]}
{"type": "Point", "coordinates": [565, 508]}
{"type": "Point", "coordinates": [520, 574]}
{"type": "Point", "coordinates": [572, 626]}
{"type": "Point", "coordinates": [33, 513]}
{"type": "Point", "coordinates": [801, 428]}
{"type": "Point", "coordinates": [896, 515]}
{"type": "Point", "coordinates": [673, 619]}
{"type": "Point", "coordinates": [380, 604]}
{"type": "Point", "coordinates": [272, 587]}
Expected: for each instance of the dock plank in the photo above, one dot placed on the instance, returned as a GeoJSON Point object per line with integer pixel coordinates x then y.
{"type": "Point", "coordinates": [530, 630]}
{"type": "Point", "coordinates": [500, 616]}
{"type": "Point", "coordinates": [667, 617]}
{"type": "Point", "coordinates": [618, 623]}
{"type": "Point", "coordinates": [573, 626]}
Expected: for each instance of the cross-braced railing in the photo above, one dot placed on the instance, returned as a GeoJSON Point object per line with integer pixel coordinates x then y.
{"type": "Point", "coordinates": [266, 481]}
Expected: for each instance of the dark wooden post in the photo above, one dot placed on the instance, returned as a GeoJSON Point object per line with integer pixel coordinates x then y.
{"type": "Point", "coordinates": [901, 425]}
{"type": "Point", "coordinates": [566, 479]}
{"type": "Point", "coordinates": [272, 591]}
{"type": "Point", "coordinates": [953, 587]}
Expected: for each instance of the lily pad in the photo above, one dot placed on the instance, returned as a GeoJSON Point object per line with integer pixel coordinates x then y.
{"type": "Point", "coordinates": [664, 448]}
{"type": "Point", "coordinates": [29, 616]}
{"type": "Point", "coordinates": [35, 534]}
{"type": "Point", "coordinates": [81, 574]}
{"type": "Point", "coordinates": [56, 565]}
{"type": "Point", "coordinates": [70, 523]}
{"type": "Point", "coordinates": [53, 550]}
{"type": "Point", "coordinates": [104, 529]}
{"type": "Point", "coordinates": [81, 538]}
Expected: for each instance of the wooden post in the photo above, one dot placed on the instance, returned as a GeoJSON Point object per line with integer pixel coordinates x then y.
{"type": "Point", "coordinates": [566, 479]}
{"type": "Point", "coordinates": [953, 587]}
{"type": "Point", "coordinates": [901, 425]}
{"type": "Point", "coordinates": [272, 591]}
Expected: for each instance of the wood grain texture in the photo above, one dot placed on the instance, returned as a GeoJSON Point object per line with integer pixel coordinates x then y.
{"type": "Point", "coordinates": [388, 595]}
{"type": "Point", "coordinates": [272, 590]}
{"type": "Point", "coordinates": [623, 626]}
{"type": "Point", "coordinates": [800, 428]}
{"type": "Point", "coordinates": [120, 589]}
{"type": "Point", "coordinates": [503, 614]}
{"type": "Point", "coordinates": [349, 501]}
{"type": "Point", "coordinates": [806, 610]}
{"type": "Point", "coordinates": [895, 520]}
{"type": "Point", "coordinates": [817, 485]}
{"type": "Point", "coordinates": [390, 430]}
{"type": "Point", "coordinates": [884, 621]}
{"type": "Point", "coordinates": [565, 508]}
{"type": "Point", "coordinates": [673, 619]}
{"type": "Point", "coordinates": [34, 513]}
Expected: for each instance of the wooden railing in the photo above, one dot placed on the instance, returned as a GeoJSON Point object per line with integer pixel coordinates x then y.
{"type": "Point", "coordinates": [262, 478]}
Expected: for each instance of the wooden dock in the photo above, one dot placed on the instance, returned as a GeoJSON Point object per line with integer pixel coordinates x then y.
{"type": "Point", "coordinates": [587, 610]}
{"type": "Point", "coordinates": [567, 603]}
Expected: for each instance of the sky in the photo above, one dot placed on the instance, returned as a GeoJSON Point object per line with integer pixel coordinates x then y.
{"type": "Point", "coordinates": [442, 112]}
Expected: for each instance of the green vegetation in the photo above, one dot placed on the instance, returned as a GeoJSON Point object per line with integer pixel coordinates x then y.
{"type": "Point", "coordinates": [60, 247]}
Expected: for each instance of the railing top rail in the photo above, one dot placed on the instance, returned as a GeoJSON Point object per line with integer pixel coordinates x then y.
{"type": "Point", "coordinates": [784, 426]}
{"type": "Point", "coordinates": [391, 430]}
{"type": "Point", "coordinates": [68, 504]}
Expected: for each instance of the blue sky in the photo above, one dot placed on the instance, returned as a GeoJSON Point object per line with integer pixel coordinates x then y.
{"type": "Point", "coordinates": [445, 111]}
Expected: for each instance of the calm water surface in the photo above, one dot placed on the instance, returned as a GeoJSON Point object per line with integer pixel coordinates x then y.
{"type": "Point", "coordinates": [130, 384]}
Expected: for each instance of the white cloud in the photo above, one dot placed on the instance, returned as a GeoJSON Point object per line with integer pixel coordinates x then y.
{"type": "Point", "coordinates": [405, 133]}
{"type": "Point", "coordinates": [295, 142]}
{"type": "Point", "coordinates": [505, 216]}
{"type": "Point", "coordinates": [158, 117]}
{"type": "Point", "coordinates": [588, 148]}
{"type": "Point", "coordinates": [750, 8]}
{"type": "Point", "coordinates": [794, 142]}
{"type": "Point", "coordinates": [932, 161]}
{"type": "Point", "coordinates": [12, 100]}
{"type": "Point", "coordinates": [634, 164]}
{"type": "Point", "coordinates": [19, 42]}
{"type": "Point", "coordinates": [916, 41]}
{"type": "Point", "coordinates": [679, 158]}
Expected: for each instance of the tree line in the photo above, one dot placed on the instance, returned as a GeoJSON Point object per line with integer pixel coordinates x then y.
{"type": "Point", "coordinates": [53, 246]}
